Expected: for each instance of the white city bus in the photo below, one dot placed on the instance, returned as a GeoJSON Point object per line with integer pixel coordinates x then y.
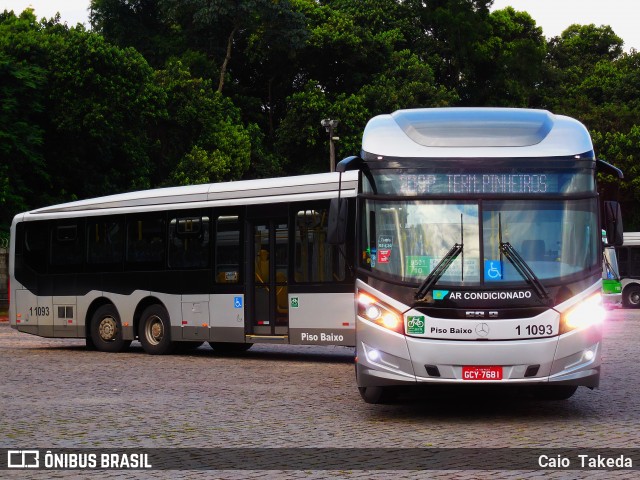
{"type": "Point", "coordinates": [628, 256]}
{"type": "Point", "coordinates": [231, 264]}
{"type": "Point", "coordinates": [479, 251]}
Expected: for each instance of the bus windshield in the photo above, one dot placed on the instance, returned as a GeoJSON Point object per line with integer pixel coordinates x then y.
{"type": "Point", "coordinates": [405, 240]}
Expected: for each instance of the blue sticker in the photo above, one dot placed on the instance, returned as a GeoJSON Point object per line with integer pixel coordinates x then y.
{"type": "Point", "coordinates": [440, 294]}
{"type": "Point", "coordinates": [492, 270]}
{"type": "Point", "coordinates": [237, 302]}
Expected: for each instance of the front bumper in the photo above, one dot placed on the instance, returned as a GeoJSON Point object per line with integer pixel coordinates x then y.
{"type": "Point", "coordinates": [386, 358]}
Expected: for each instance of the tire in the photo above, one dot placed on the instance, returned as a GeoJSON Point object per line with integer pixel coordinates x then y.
{"type": "Point", "coordinates": [90, 345]}
{"type": "Point", "coordinates": [154, 331]}
{"type": "Point", "coordinates": [106, 330]}
{"type": "Point", "coordinates": [226, 348]}
{"type": "Point", "coordinates": [555, 392]}
{"type": "Point", "coordinates": [631, 297]}
{"type": "Point", "coordinates": [377, 395]}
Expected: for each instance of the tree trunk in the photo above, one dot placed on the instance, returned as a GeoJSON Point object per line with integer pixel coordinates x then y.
{"type": "Point", "coordinates": [227, 57]}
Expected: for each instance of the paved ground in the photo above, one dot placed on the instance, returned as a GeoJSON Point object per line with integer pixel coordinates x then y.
{"type": "Point", "coordinates": [56, 394]}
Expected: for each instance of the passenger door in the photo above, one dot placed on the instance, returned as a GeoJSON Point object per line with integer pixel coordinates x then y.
{"type": "Point", "coordinates": [268, 277]}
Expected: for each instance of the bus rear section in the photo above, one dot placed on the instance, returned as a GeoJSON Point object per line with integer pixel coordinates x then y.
{"type": "Point", "coordinates": [232, 264]}
{"type": "Point", "coordinates": [479, 251]}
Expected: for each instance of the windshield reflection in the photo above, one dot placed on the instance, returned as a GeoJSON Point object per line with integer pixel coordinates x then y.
{"type": "Point", "coordinates": [406, 240]}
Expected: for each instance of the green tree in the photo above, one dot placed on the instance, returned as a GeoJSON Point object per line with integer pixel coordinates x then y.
{"type": "Point", "coordinates": [21, 136]}
{"type": "Point", "coordinates": [571, 57]}
{"type": "Point", "coordinates": [508, 64]}
{"type": "Point", "coordinates": [88, 114]}
{"type": "Point", "coordinates": [140, 24]}
{"type": "Point", "coordinates": [450, 31]}
{"type": "Point", "coordinates": [203, 137]}
{"type": "Point", "coordinates": [214, 26]}
{"type": "Point", "coordinates": [623, 150]}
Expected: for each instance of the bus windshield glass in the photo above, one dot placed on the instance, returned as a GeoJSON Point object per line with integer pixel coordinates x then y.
{"type": "Point", "coordinates": [404, 240]}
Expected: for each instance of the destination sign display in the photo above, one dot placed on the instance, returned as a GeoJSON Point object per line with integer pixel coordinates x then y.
{"type": "Point", "coordinates": [529, 183]}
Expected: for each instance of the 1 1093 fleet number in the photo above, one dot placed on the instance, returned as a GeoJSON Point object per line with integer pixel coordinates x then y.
{"type": "Point", "coordinates": [535, 330]}
{"type": "Point", "coordinates": [39, 311]}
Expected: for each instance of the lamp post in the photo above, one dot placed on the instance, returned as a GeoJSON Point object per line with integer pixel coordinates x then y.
{"type": "Point", "coordinates": [330, 125]}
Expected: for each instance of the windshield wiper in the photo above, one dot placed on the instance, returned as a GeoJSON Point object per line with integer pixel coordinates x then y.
{"type": "Point", "coordinates": [524, 270]}
{"type": "Point", "coordinates": [437, 272]}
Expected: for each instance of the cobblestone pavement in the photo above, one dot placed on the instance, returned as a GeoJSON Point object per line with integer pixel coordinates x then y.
{"type": "Point", "coordinates": [56, 394]}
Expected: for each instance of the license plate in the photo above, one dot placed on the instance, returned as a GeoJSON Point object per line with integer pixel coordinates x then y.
{"type": "Point", "coordinates": [482, 373]}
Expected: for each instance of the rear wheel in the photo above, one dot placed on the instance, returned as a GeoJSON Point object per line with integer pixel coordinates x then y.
{"type": "Point", "coordinates": [377, 394]}
{"type": "Point", "coordinates": [106, 330]}
{"type": "Point", "coordinates": [631, 297]}
{"type": "Point", "coordinates": [555, 392]}
{"type": "Point", "coordinates": [154, 331]}
{"type": "Point", "coordinates": [223, 347]}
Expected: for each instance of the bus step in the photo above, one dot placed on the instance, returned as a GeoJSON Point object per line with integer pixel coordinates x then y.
{"type": "Point", "coordinates": [267, 338]}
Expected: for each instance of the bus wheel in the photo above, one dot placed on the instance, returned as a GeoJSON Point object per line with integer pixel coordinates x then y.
{"type": "Point", "coordinates": [223, 347]}
{"type": "Point", "coordinates": [631, 297]}
{"type": "Point", "coordinates": [154, 331]}
{"type": "Point", "coordinates": [377, 394]}
{"type": "Point", "coordinates": [554, 392]}
{"type": "Point", "coordinates": [106, 330]}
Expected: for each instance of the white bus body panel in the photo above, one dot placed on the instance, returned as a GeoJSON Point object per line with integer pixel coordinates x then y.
{"type": "Point", "coordinates": [195, 317]}
{"type": "Point", "coordinates": [246, 192]}
{"type": "Point", "coordinates": [227, 318]}
{"type": "Point", "coordinates": [401, 360]}
{"type": "Point", "coordinates": [398, 359]}
{"type": "Point", "coordinates": [321, 318]}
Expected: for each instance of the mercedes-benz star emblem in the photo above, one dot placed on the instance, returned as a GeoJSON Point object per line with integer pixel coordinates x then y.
{"type": "Point", "coordinates": [482, 329]}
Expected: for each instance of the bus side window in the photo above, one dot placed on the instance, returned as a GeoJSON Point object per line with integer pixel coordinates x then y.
{"type": "Point", "coordinates": [623, 260]}
{"type": "Point", "coordinates": [633, 264]}
{"type": "Point", "coordinates": [145, 239]}
{"type": "Point", "coordinates": [67, 249]}
{"type": "Point", "coordinates": [105, 241]}
{"type": "Point", "coordinates": [189, 242]}
{"type": "Point", "coordinates": [315, 259]}
{"type": "Point", "coordinates": [35, 245]}
{"type": "Point", "coordinates": [227, 256]}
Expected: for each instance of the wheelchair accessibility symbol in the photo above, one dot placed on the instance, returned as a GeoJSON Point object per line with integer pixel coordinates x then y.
{"type": "Point", "coordinates": [492, 270]}
{"type": "Point", "coordinates": [237, 302]}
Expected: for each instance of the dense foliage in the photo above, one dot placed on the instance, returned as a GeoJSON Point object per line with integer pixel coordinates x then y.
{"type": "Point", "coordinates": [168, 92]}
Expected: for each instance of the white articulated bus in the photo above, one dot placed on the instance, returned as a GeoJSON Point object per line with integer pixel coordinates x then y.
{"type": "Point", "coordinates": [232, 264]}
{"type": "Point", "coordinates": [479, 251]}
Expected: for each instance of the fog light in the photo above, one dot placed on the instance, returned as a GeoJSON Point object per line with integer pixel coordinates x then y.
{"type": "Point", "coordinates": [373, 355]}
{"type": "Point", "coordinates": [588, 355]}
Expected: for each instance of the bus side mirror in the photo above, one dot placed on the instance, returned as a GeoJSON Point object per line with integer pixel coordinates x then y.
{"type": "Point", "coordinates": [613, 223]}
{"type": "Point", "coordinates": [337, 225]}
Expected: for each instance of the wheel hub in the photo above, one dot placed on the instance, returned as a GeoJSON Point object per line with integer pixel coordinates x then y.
{"type": "Point", "coordinates": [155, 330]}
{"type": "Point", "coordinates": [108, 329]}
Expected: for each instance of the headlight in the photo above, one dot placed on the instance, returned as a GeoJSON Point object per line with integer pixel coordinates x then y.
{"type": "Point", "coordinates": [379, 313]}
{"type": "Point", "coordinates": [585, 314]}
